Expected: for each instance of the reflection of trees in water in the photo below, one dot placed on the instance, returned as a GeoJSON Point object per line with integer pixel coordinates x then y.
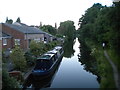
{"type": "Point", "coordinates": [90, 64]}
{"type": "Point", "coordinates": [68, 48]}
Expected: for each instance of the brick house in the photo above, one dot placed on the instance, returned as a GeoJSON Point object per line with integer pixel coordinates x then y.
{"type": "Point", "coordinates": [21, 34]}
{"type": "Point", "coordinates": [6, 40]}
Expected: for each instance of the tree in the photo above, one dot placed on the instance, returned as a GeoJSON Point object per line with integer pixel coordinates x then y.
{"type": "Point", "coordinates": [101, 24]}
{"type": "Point", "coordinates": [9, 21]}
{"type": "Point", "coordinates": [18, 20]}
{"type": "Point", "coordinates": [40, 24]}
{"type": "Point", "coordinates": [67, 29]}
{"type": "Point", "coordinates": [114, 19]}
{"type": "Point", "coordinates": [37, 48]}
{"type": "Point", "coordinates": [8, 82]}
{"type": "Point", "coordinates": [50, 29]}
{"type": "Point", "coordinates": [18, 58]}
{"type": "Point", "coordinates": [55, 25]}
{"type": "Point", "coordinates": [6, 19]}
{"type": "Point", "coordinates": [87, 22]}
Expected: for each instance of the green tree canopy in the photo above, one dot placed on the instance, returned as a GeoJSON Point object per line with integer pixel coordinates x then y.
{"type": "Point", "coordinates": [18, 20]}
{"type": "Point", "coordinates": [8, 82]}
{"type": "Point", "coordinates": [9, 21]}
{"type": "Point", "coordinates": [18, 58]}
{"type": "Point", "coordinates": [67, 29]}
{"type": "Point", "coordinates": [50, 29]}
{"type": "Point", "coordinates": [101, 24]}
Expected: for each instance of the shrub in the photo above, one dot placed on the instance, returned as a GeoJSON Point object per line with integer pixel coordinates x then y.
{"type": "Point", "coordinates": [30, 59]}
{"type": "Point", "coordinates": [18, 59]}
{"type": "Point", "coordinates": [8, 82]}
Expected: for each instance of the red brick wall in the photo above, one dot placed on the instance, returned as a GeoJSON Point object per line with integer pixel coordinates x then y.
{"type": "Point", "coordinates": [15, 35]}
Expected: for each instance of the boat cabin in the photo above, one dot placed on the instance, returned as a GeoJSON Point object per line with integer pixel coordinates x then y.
{"type": "Point", "coordinates": [56, 53]}
{"type": "Point", "coordinates": [45, 62]}
{"type": "Point", "coordinates": [59, 48]}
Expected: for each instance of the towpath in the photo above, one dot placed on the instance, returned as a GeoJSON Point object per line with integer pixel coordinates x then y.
{"type": "Point", "coordinates": [28, 73]}
{"type": "Point", "coordinates": [115, 70]}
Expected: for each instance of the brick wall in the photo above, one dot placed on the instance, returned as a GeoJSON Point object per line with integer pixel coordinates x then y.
{"type": "Point", "coordinates": [15, 35]}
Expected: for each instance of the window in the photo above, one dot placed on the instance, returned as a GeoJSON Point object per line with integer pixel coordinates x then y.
{"type": "Point", "coordinates": [4, 41]}
{"type": "Point", "coordinates": [17, 41]}
{"type": "Point", "coordinates": [37, 39]}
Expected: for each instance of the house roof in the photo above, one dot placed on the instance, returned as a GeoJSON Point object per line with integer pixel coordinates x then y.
{"type": "Point", "coordinates": [25, 29]}
{"type": "Point", "coordinates": [4, 35]}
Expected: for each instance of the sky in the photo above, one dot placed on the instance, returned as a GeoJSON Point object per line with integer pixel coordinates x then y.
{"type": "Point", "coordinates": [49, 12]}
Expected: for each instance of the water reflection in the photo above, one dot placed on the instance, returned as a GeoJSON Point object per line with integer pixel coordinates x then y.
{"type": "Point", "coordinates": [71, 74]}
{"type": "Point", "coordinates": [68, 48]}
{"type": "Point", "coordinates": [90, 63]}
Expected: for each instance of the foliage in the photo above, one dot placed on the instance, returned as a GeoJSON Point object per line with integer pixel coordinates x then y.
{"type": "Point", "coordinates": [67, 29]}
{"type": "Point", "coordinates": [17, 56]}
{"type": "Point", "coordinates": [87, 21]}
{"type": "Point", "coordinates": [114, 57]}
{"type": "Point", "coordinates": [101, 24]}
{"type": "Point", "coordinates": [89, 62]}
{"type": "Point", "coordinates": [9, 21]}
{"type": "Point", "coordinates": [49, 29]}
{"type": "Point", "coordinates": [59, 35]}
{"type": "Point", "coordinates": [8, 82]}
{"type": "Point", "coordinates": [55, 25]}
{"type": "Point", "coordinates": [104, 70]}
{"type": "Point", "coordinates": [68, 48]}
{"type": "Point", "coordinates": [105, 27]}
{"type": "Point", "coordinates": [4, 60]}
{"type": "Point", "coordinates": [18, 20]}
{"type": "Point", "coordinates": [30, 59]}
{"type": "Point", "coordinates": [39, 48]}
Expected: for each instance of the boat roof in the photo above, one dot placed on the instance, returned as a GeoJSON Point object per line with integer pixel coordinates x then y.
{"type": "Point", "coordinates": [52, 52]}
{"type": "Point", "coordinates": [57, 47]}
{"type": "Point", "coordinates": [46, 56]}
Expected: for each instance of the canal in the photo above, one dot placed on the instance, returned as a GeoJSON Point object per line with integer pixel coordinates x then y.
{"type": "Point", "coordinates": [70, 73]}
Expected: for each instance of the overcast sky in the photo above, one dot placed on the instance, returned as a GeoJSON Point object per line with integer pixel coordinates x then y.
{"type": "Point", "coordinates": [32, 12]}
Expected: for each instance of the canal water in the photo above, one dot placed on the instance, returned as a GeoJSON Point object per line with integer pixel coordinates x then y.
{"type": "Point", "coordinates": [70, 72]}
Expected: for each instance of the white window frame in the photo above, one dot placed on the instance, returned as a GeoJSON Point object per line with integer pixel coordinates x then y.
{"type": "Point", "coordinates": [4, 41]}
{"type": "Point", "coordinates": [37, 40]}
{"type": "Point", "coordinates": [17, 41]}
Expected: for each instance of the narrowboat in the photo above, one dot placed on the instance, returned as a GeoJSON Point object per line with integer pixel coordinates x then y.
{"type": "Point", "coordinates": [47, 63]}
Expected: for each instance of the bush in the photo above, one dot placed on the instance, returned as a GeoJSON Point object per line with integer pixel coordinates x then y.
{"type": "Point", "coordinates": [30, 59]}
{"type": "Point", "coordinates": [40, 48]}
{"type": "Point", "coordinates": [37, 49]}
{"type": "Point", "coordinates": [8, 82]}
{"type": "Point", "coordinates": [18, 59]}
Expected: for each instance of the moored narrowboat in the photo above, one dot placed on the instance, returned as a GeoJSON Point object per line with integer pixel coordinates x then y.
{"type": "Point", "coordinates": [47, 63]}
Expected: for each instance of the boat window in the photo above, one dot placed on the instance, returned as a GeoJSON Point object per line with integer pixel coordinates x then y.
{"type": "Point", "coordinates": [56, 56]}
{"type": "Point", "coordinates": [43, 64]}
{"type": "Point", "coordinates": [60, 50]}
{"type": "Point", "coordinates": [53, 58]}
{"type": "Point", "coordinates": [45, 56]}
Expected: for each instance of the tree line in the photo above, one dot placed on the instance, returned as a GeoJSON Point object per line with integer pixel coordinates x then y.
{"type": "Point", "coordinates": [101, 24]}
